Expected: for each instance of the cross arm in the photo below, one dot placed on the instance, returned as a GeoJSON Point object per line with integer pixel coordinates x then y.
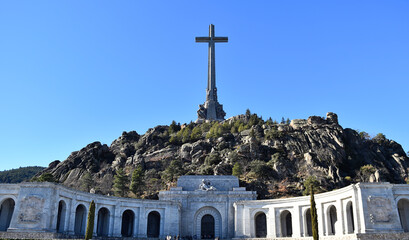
{"type": "Point", "coordinates": [202, 39]}
{"type": "Point", "coordinates": [220, 39]}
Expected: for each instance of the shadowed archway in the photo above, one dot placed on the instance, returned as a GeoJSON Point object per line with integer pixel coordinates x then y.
{"type": "Point", "coordinates": [260, 223]}
{"type": "Point", "coordinates": [103, 222]}
{"type": "Point", "coordinates": [6, 213]}
{"type": "Point", "coordinates": [403, 209]}
{"type": "Point", "coordinates": [80, 220]}
{"type": "Point", "coordinates": [207, 227]}
{"type": "Point", "coordinates": [332, 219]}
{"type": "Point", "coordinates": [62, 209]}
{"type": "Point", "coordinates": [153, 230]}
{"type": "Point", "coordinates": [286, 224]}
{"type": "Point", "coordinates": [127, 223]}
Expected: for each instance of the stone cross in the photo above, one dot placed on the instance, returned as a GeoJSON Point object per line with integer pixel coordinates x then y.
{"type": "Point", "coordinates": [211, 110]}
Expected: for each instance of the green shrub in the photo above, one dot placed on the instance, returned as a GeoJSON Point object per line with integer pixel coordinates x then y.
{"type": "Point", "coordinates": [379, 138]}
{"type": "Point", "coordinates": [173, 127]}
{"type": "Point", "coordinates": [260, 169]}
{"type": "Point", "coordinates": [196, 133]}
{"type": "Point", "coordinates": [173, 171]}
{"type": "Point", "coordinates": [213, 159]}
{"type": "Point", "coordinates": [237, 170]}
{"type": "Point", "coordinates": [46, 177]}
{"type": "Point", "coordinates": [120, 183]}
{"type": "Point", "coordinates": [137, 183]}
{"type": "Point", "coordinates": [310, 182]}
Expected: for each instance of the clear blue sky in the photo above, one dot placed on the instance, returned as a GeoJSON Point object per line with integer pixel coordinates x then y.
{"type": "Point", "coordinates": [74, 72]}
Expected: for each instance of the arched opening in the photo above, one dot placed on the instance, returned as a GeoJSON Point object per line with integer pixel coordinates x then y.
{"type": "Point", "coordinates": [127, 223]}
{"type": "Point", "coordinates": [62, 209]}
{"type": "Point", "coordinates": [103, 222]}
{"type": "Point", "coordinates": [308, 223]}
{"type": "Point", "coordinates": [199, 223]}
{"type": "Point", "coordinates": [350, 218]}
{"type": "Point", "coordinates": [403, 209]}
{"type": "Point", "coordinates": [207, 227]}
{"type": "Point", "coordinates": [153, 224]}
{"type": "Point", "coordinates": [286, 224]}
{"type": "Point", "coordinates": [6, 212]}
{"type": "Point", "coordinates": [80, 220]}
{"type": "Point", "coordinates": [332, 219]}
{"type": "Point", "coordinates": [260, 222]}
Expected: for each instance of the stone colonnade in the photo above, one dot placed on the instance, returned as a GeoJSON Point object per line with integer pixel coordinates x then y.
{"type": "Point", "coordinates": [47, 207]}
{"type": "Point", "coordinates": [356, 209]}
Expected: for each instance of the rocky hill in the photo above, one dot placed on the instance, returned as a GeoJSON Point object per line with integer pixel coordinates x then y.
{"type": "Point", "coordinates": [269, 157]}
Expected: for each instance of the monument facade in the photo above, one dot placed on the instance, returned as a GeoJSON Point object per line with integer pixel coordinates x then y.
{"type": "Point", "coordinates": [211, 109]}
{"type": "Point", "coordinates": [205, 207]}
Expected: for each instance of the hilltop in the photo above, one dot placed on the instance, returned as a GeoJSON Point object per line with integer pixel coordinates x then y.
{"type": "Point", "coordinates": [271, 158]}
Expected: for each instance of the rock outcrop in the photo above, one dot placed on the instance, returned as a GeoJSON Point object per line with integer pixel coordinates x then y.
{"type": "Point", "coordinates": [273, 158]}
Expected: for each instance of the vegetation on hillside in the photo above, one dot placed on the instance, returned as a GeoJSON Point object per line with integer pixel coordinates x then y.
{"type": "Point", "coordinates": [19, 175]}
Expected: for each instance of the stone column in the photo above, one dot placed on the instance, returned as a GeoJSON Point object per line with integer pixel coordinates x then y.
{"type": "Point", "coordinates": [296, 222]}
{"type": "Point", "coordinates": [238, 220]}
{"type": "Point", "coordinates": [95, 219]}
{"type": "Point", "coordinates": [71, 224]}
{"type": "Point", "coordinates": [246, 220]}
{"type": "Point", "coordinates": [321, 219]}
{"type": "Point", "coordinates": [115, 221]}
{"type": "Point", "coordinates": [136, 223]}
{"type": "Point", "coordinates": [360, 211]}
{"type": "Point", "coordinates": [356, 207]}
{"type": "Point", "coordinates": [142, 223]}
{"type": "Point", "coordinates": [271, 223]}
{"type": "Point", "coordinates": [52, 224]}
{"type": "Point", "coordinates": [68, 216]}
{"type": "Point", "coordinates": [340, 226]}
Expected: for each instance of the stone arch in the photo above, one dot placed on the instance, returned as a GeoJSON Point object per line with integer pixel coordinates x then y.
{"type": "Point", "coordinates": [217, 221]}
{"type": "Point", "coordinates": [332, 219]}
{"type": "Point", "coordinates": [403, 209]}
{"type": "Point", "coordinates": [260, 225]}
{"type": "Point", "coordinates": [307, 223]}
{"type": "Point", "coordinates": [128, 218]}
{"type": "Point", "coordinates": [80, 220]}
{"type": "Point", "coordinates": [286, 224]}
{"type": "Point", "coordinates": [103, 222]}
{"type": "Point", "coordinates": [6, 213]}
{"type": "Point", "coordinates": [153, 226]}
{"type": "Point", "coordinates": [350, 218]}
{"type": "Point", "coordinates": [62, 211]}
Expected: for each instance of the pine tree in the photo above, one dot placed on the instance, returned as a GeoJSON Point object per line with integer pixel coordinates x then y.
{"type": "Point", "coordinates": [237, 170]}
{"type": "Point", "coordinates": [120, 182]}
{"type": "Point", "coordinates": [137, 181]}
{"type": "Point", "coordinates": [86, 182]}
{"type": "Point", "coordinates": [314, 220]}
{"type": "Point", "coordinates": [90, 221]}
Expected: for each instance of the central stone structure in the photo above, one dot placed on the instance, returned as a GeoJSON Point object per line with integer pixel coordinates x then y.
{"type": "Point", "coordinates": [211, 109]}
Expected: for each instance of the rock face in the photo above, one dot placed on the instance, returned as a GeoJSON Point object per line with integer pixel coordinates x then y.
{"type": "Point", "coordinates": [273, 159]}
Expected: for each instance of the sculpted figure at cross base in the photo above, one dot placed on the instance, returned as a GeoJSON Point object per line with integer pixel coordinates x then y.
{"type": "Point", "coordinates": [206, 186]}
